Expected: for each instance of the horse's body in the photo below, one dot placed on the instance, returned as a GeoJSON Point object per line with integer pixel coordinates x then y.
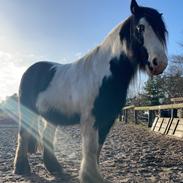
{"type": "Point", "coordinates": [91, 91]}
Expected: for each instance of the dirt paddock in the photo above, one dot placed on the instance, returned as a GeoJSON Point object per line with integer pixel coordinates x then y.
{"type": "Point", "coordinates": [131, 154]}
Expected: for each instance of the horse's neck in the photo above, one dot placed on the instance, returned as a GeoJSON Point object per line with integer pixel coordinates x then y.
{"type": "Point", "coordinates": [110, 48]}
{"type": "Point", "coordinates": [113, 44]}
{"type": "Point", "coordinates": [97, 63]}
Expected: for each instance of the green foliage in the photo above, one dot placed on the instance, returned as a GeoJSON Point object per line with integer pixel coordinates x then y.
{"type": "Point", "coordinates": [154, 90]}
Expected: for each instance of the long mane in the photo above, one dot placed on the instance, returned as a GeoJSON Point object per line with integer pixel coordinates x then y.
{"type": "Point", "coordinates": [156, 21]}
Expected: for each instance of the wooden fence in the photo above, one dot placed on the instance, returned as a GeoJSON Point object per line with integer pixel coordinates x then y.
{"type": "Point", "coordinates": [171, 125]}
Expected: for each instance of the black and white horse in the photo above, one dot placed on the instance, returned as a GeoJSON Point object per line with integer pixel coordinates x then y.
{"type": "Point", "coordinates": [91, 91]}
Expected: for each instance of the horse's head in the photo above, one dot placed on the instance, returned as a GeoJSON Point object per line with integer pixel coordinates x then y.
{"type": "Point", "coordinates": [147, 38]}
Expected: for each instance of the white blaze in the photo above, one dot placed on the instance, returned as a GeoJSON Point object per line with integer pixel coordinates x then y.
{"type": "Point", "coordinates": [155, 48]}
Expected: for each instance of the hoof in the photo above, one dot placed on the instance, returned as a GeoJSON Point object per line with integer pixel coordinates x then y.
{"type": "Point", "coordinates": [52, 165]}
{"type": "Point", "coordinates": [54, 169]}
{"type": "Point", "coordinates": [106, 181]}
{"type": "Point", "coordinates": [86, 178]}
{"type": "Point", "coordinates": [22, 167]}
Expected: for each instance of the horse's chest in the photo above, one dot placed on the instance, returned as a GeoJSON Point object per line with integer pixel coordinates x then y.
{"type": "Point", "coordinates": [113, 91]}
{"type": "Point", "coordinates": [109, 101]}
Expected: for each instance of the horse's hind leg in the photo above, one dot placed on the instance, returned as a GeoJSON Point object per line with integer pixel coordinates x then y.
{"type": "Point", "coordinates": [49, 157]}
{"type": "Point", "coordinates": [21, 164]}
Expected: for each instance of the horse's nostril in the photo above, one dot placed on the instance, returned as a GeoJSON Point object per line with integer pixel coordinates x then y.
{"type": "Point", "coordinates": [155, 62]}
{"type": "Point", "coordinates": [150, 68]}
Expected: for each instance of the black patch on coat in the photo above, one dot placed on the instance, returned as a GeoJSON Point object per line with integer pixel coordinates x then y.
{"type": "Point", "coordinates": [127, 31]}
{"type": "Point", "coordinates": [112, 95]}
{"type": "Point", "coordinates": [134, 42]}
{"type": "Point", "coordinates": [58, 118]}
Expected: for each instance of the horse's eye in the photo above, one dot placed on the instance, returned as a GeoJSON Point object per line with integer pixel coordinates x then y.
{"type": "Point", "coordinates": [140, 28]}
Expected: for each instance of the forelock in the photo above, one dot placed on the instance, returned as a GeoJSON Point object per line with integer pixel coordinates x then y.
{"type": "Point", "coordinates": [154, 18]}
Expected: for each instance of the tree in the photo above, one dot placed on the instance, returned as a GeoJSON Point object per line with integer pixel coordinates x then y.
{"type": "Point", "coordinates": [154, 90]}
{"type": "Point", "coordinates": [175, 66]}
{"type": "Point", "coordinates": [10, 106]}
{"type": "Point", "coordinates": [174, 77]}
{"type": "Point", "coordinates": [152, 94]}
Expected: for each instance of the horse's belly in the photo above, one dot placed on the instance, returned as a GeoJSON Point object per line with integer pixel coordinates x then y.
{"type": "Point", "coordinates": [66, 109]}
{"type": "Point", "coordinates": [59, 118]}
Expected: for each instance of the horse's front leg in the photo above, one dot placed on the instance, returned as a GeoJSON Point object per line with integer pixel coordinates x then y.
{"type": "Point", "coordinates": [103, 130]}
{"type": "Point", "coordinates": [89, 172]}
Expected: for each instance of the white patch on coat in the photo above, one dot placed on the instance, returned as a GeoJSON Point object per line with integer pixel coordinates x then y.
{"type": "Point", "coordinates": [155, 48]}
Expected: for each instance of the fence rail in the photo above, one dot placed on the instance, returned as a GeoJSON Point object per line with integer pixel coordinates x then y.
{"type": "Point", "coordinates": [159, 107]}
{"type": "Point", "coordinates": [151, 110]}
{"type": "Point", "coordinates": [177, 99]}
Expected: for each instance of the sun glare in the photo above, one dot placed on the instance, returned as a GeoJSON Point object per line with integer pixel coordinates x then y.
{"type": "Point", "coordinates": [30, 121]}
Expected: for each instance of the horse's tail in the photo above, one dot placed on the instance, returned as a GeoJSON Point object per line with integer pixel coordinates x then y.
{"type": "Point", "coordinates": [32, 145]}
{"type": "Point", "coordinates": [30, 87]}
{"type": "Point", "coordinates": [34, 140]}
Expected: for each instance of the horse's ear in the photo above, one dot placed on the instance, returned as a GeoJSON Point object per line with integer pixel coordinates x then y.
{"type": "Point", "coordinates": [134, 7]}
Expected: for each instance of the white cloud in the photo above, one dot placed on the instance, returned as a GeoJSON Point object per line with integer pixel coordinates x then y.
{"type": "Point", "coordinates": [11, 69]}
{"type": "Point", "coordinates": [13, 65]}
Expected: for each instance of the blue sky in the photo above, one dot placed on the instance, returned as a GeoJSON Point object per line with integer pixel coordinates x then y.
{"type": "Point", "coordinates": [63, 30]}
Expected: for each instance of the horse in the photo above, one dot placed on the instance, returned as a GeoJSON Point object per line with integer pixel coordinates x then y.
{"type": "Point", "coordinates": [90, 92]}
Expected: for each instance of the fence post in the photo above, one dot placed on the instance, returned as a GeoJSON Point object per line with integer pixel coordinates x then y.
{"type": "Point", "coordinates": [135, 117]}
{"type": "Point", "coordinates": [120, 115]}
{"type": "Point", "coordinates": [160, 113]}
{"type": "Point", "coordinates": [126, 115]}
{"type": "Point", "coordinates": [151, 118]}
{"type": "Point", "coordinates": [173, 113]}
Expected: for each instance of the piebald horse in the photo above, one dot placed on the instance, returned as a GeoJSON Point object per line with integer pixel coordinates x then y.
{"type": "Point", "coordinates": [91, 91]}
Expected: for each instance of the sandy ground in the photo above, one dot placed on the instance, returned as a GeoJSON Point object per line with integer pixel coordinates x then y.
{"type": "Point", "coordinates": [131, 154]}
